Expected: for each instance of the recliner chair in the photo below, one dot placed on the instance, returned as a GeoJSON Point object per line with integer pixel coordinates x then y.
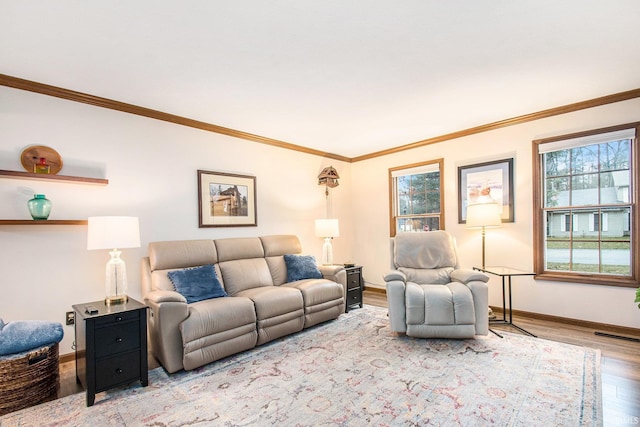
{"type": "Point", "coordinates": [429, 295]}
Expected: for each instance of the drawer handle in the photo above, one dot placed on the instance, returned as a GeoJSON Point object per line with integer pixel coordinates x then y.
{"type": "Point", "coordinates": [118, 318]}
{"type": "Point", "coordinates": [119, 371]}
{"type": "Point", "coordinates": [118, 340]}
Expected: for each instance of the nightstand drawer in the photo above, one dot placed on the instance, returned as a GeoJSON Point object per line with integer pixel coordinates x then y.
{"type": "Point", "coordinates": [116, 318]}
{"type": "Point", "coordinates": [116, 370]}
{"type": "Point", "coordinates": [353, 279]}
{"type": "Point", "coordinates": [353, 297]}
{"type": "Point", "coordinates": [117, 338]}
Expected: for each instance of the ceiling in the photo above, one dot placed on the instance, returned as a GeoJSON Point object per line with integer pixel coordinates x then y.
{"type": "Point", "coordinates": [349, 77]}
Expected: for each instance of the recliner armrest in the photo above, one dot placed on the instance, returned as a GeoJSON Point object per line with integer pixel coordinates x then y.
{"type": "Point", "coordinates": [395, 275]}
{"type": "Point", "coordinates": [466, 275]}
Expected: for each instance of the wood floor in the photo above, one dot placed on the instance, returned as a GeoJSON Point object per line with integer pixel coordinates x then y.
{"type": "Point", "coordinates": [620, 363]}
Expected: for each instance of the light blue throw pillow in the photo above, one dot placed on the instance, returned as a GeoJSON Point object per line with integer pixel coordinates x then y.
{"type": "Point", "coordinates": [197, 283]}
{"type": "Point", "coordinates": [23, 335]}
{"type": "Point", "coordinates": [301, 267]}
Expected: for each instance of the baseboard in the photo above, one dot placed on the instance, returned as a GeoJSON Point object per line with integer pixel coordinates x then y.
{"type": "Point", "coordinates": [376, 290]}
{"type": "Point", "coordinates": [69, 357]}
{"type": "Point", "coordinates": [575, 322]}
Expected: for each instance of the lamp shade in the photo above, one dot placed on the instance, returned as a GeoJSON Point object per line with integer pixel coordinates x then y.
{"type": "Point", "coordinates": [327, 228]}
{"type": "Point", "coordinates": [111, 232]}
{"type": "Point", "coordinates": [484, 215]}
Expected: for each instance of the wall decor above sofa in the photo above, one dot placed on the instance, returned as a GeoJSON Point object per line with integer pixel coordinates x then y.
{"type": "Point", "coordinates": [226, 200]}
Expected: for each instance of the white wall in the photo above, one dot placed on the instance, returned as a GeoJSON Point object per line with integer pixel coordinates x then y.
{"type": "Point", "coordinates": [152, 171]}
{"type": "Point", "coordinates": [151, 167]}
{"type": "Point", "coordinates": [510, 245]}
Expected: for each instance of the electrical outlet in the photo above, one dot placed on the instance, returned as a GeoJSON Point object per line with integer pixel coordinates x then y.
{"type": "Point", "coordinates": [71, 317]}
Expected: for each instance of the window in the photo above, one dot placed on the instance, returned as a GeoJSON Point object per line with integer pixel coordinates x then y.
{"type": "Point", "coordinates": [585, 214]}
{"type": "Point", "coordinates": [416, 197]}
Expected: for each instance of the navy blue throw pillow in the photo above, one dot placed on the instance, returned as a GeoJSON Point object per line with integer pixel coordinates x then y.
{"type": "Point", "coordinates": [197, 283]}
{"type": "Point", "coordinates": [301, 267]}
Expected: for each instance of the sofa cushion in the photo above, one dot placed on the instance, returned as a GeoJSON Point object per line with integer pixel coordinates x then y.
{"type": "Point", "coordinates": [23, 335]}
{"type": "Point", "coordinates": [197, 283]}
{"type": "Point", "coordinates": [300, 267]}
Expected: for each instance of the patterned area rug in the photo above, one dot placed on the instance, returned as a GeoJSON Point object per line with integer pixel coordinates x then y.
{"type": "Point", "coordinates": [354, 371]}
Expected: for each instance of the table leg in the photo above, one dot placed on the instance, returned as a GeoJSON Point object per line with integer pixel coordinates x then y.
{"type": "Point", "coordinates": [506, 286]}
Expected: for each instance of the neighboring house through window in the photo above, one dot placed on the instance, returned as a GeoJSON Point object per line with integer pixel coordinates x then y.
{"type": "Point", "coordinates": [416, 197]}
{"type": "Point", "coordinates": [585, 212]}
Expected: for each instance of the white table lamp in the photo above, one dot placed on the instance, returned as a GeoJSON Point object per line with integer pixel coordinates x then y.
{"type": "Point", "coordinates": [327, 229]}
{"type": "Point", "coordinates": [114, 232]}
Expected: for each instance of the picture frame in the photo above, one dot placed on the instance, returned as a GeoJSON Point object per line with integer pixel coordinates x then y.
{"type": "Point", "coordinates": [489, 179]}
{"type": "Point", "coordinates": [226, 200]}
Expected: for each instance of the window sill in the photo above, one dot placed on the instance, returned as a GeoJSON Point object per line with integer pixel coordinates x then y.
{"type": "Point", "coordinates": [588, 279]}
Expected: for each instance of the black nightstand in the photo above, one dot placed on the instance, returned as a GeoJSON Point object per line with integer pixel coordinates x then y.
{"type": "Point", "coordinates": [355, 283]}
{"type": "Point", "coordinates": [111, 346]}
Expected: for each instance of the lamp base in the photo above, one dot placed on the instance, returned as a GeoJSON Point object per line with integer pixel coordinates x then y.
{"type": "Point", "coordinates": [117, 299]}
{"type": "Point", "coordinates": [327, 252]}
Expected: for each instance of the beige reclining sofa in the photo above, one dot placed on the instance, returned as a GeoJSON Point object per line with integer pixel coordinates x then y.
{"type": "Point", "coordinates": [260, 303]}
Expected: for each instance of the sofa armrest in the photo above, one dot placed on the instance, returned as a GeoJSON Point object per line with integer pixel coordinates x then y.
{"type": "Point", "coordinates": [465, 275]}
{"type": "Point", "coordinates": [164, 296]}
{"type": "Point", "coordinates": [168, 310]}
{"type": "Point", "coordinates": [335, 273]}
{"type": "Point", "coordinates": [329, 271]}
{"type": "Point", "coordinates": [394, 275]}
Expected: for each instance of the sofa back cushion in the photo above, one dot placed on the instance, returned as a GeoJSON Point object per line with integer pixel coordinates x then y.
{"type": "Point", "coordinates": [242, 264]}
{"type": "Point", "coordinates": [241, 274]}
{"type": "Point", "coordinates": [275, 247]}
{"type": "Point", "coordinates": [238, 248]}
{"type": "Point", "coordinates": [178, 254]}
{"type": "Point", "coordinates": [181, 254]}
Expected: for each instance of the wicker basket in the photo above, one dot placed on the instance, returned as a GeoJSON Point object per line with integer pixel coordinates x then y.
{"type": "Point", "coordinates": [28, 378]}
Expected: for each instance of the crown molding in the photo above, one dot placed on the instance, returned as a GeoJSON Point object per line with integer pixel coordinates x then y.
{"type": "Point", "coordinates": [71, 95]}
{"type": "Point", "coordinates": [596, 102]}
{"type": "Point", "coordinates": [31, 86]}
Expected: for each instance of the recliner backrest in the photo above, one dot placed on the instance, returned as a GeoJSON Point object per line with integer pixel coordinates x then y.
{"type": "Point", "coordinates": [425, 250]}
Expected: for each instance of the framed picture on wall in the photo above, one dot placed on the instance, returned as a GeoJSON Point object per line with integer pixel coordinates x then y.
{"type": "Point", "coordinates": [226, 200]}
{"type": "Point", "coordinates": [482, 182]}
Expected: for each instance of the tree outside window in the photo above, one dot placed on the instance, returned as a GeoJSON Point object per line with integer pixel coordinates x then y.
{"type": "Point", "coordinates": [416, 197]}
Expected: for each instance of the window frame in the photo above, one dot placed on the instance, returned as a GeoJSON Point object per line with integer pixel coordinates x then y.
{"type": "Point", "coordinates": [393, 196]}
{"type": "Point", "coordinates": [539, 232]}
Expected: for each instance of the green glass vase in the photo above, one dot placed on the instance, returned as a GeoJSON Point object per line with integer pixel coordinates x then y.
{"type": "Point", "coordinates": [39, 207]}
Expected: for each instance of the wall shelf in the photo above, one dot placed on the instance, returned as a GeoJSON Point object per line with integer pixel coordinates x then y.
{"type": "Point", "coordinates": [43, 222]}
{"type": "Point", "coordinates": [44, 177]}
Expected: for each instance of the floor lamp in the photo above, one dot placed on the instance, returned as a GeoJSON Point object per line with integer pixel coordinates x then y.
{"type": "Point", "coordinates": [484, 215]}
